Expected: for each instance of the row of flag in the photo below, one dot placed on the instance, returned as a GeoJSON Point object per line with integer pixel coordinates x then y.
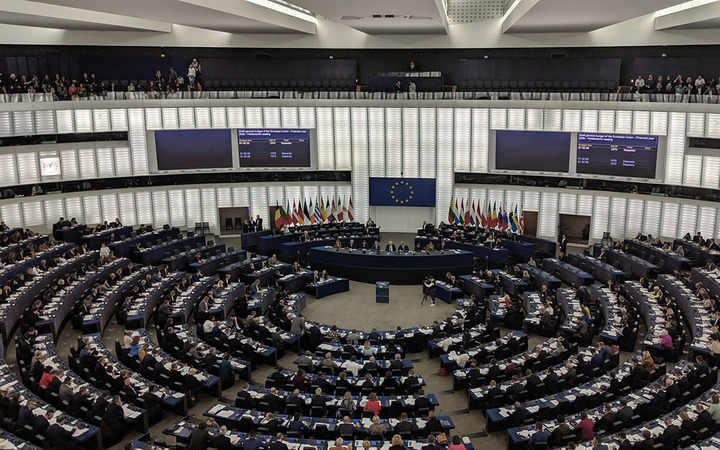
{"type": "Point", "coordinates": [465, 213]}
{"type": "Point", "coordinates": [303, 213]}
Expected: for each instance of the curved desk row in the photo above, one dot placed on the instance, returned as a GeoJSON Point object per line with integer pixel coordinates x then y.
{"type": "Point", "coordinates": [398, 268]}
{"type": "Point", "coordinates": [494, 256]}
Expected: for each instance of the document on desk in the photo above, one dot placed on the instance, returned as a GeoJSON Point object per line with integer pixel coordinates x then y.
{"type": "Point", "coordinates": [215, 409]}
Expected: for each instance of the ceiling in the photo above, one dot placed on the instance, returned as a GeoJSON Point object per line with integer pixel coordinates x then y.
{"type": "Point", "coordinates": [368, 23]}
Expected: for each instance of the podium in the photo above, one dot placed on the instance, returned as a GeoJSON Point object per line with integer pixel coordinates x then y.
{"type": "Point", "coordinates": [382, 292]}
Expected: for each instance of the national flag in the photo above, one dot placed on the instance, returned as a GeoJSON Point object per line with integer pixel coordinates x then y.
{"type": "Point", "coordinates": [311, 212]}
{"type": "Point", "coordinates": [513, 220]}
{"type": "Point", "coordinates": [306, 211]}
{"type": "Point", "coordinates": [451, 214]}
{"type": "Point", "coordinates": [503, 219]}
{"type": "Point", "coordinates": [489, 216]}
{"type": "Point", "coordinates": [458, 214]}
{"type": "Point", "coordinates": [467, 215]}
{"type": "Point", "coordinates": [483, 219]}
{"type": "Point", "coordinates": [340, 214]}
{"type": "Point", "coordinates": [316, 214]}
{"type": "Point", "coordinates": [345, 211]}
{"type": "Point", "coordinates": [520, 220]}
{"type": "Point", "coordinates": [494, 222]}
{"type": "Point", "coordinates": [278, 215]}
{"type": "Point", "coordinates": [323, 214]}
{"type": "Point", "coordinates": [288, 214]}
{"type": "Point", "coordinates": [331, 215]}
{"type": "Point", "coordinates": [301, 213]}
{"type": "Point", "coordinates": [472, 214]}
{"type": "Point", "coordinates": [295, 217]}
{"type": "Point", "coordinates": [351, 210]}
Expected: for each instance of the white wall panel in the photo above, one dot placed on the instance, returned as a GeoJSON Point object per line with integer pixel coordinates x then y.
{"type": "Point", "coordinates": [224, 197]}
{"type": "Point", "coordinates": [153, 118]}
{"type": "Point", "coordinates": [170, 118]}
{"type": "Point", "coordinates": [670, 218]}
{"type": "Point", "coordinates": [411, 142]}
{"type": "Point", "coordinates": [693, 170]}
{"type": "Point", "coordinates": [360, 182]}
{"type": "Point", "coordinates": [176, 202]}
{"type": "Point", "coordinates": [571, 120]}
{"type": "Point", "coordinates": [65, 121]}
{"type": "Point", "coordinates": [635, 213]}
{"type": "Point", "coordinates": [105, 162]}
{"type": "Point", "coordinates": [74, 209]}
{"type": "Point", "coordinates": [462, 139]}
{"type": "Point", "coordinates": [600, 218]}
{"type": "Point", "coordinates": [343, 157]}
{"type": "Point", "coordinates": [444, 181]}
{"type": "Point", "coordinates": [568, 204]}
{"type": "Point", "coordinates": [589, 120]}
{"type": "Point", "coordinates": [289, 116]}
{"type": "Point", "coordinates": [696, 124]}
{"type": "Point", "coordinates": [711, 172]}
{"type": "Point", "coordinates": [202, 117]}
{"type": "Point", "coordinates": [651, 222]}
{"type": "Point", "coordinates": [259, 202]}
{"type": "Point", "coordinates": [241, 196]}
{"type": "Point", "coordinates": [6, 123]}
{"type": "Point", "coordinates": [688, 220]}
{"type": "Point", "coordinates": [531, 201]}
{"type": "Point", "coordinates": [83, 121]}
{"type": "Point", "coordinates": [88, 166]}
{"type": "Point", "coordinates": [659, 122]}
{"type": "Point", "coordinates": [193, 210]}
{"type": "Point", "coordinates": [91, 207]}
{"type": "Point", "coordinates": [138, 144]}
{"type": "Point", "coordinates": [126, 205]}
{"type": "Point", "coordinates": [109, 207]}
{"type": "Point", "coordinates": [101, 120]}
{"type": "Point", "coordinates": [606, 124]}
{"type": "Point", "coordinates": [45, 121]}
{"type": "Point", "coordinates": [585, 205]}
{"type": "Point", "coordinates": [393, 142]}
{"type": "Point", "coordinates": [218, 117]}
{"type": "Point", "coordinates": [23, 123]}
{"type": "Point", "coordinates": [428, 143]}
{"type": "Point", "coordinates": [254, 117]}
{"type": "Point", "coordinates": [553, 120]}
{"type": "Point", "coordinates": [54, 209]}
{"type": "Point", "coordinates": [307, 117]}
{"type": "Point", "coordinates": [118, 119]}
{"type": "Point", "coordinates": [376, 132]}
{"type": "Point", "coordinates": [271, 117]}
{"type": "Point", "coordinates": [498, 119]}
{"type": "Point", "coordinates": [706, 221]}
{"type": "Point", "coordinates": [675, 149]}
{"type": "Point", "coordinates": [69, 165]}
{"type": "Point", "coordinates": [11, 215]}
{"type": "Point", "coordinates": [33, 213]}
{"type": "Point", "coordinates": [641, 122]}
{"type": "Point", "coordinates": [516, 119]}
{"type": "Point", "coordinates": [236, 117]}
{"type": "Point", "coordinates": [8, 172]}
{"type": "Point", "coordinates": [713, 125]}
{"type": "Point", "coordinates": [144, 208]}
{"type": "Point", "coordinates": [548, 215]}
{"type": "Point", "coordinates": [618, 214]}
{"type": "Point", "coordinates": [28, 171]}
{"type": "Point", "coordinates": [535, 119]}
{"type": "Point", "coordinates": [123, 162]}
{"type": "Point", "coordinates": [623, 122]}
{"type": "Point", "coordinates": [325, 138]}
{"type": "Point", "coordinates": [160, 208]}
{"type": "Point", "coordinates": [480, 136]}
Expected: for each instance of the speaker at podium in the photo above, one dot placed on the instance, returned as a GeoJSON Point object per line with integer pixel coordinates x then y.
{"type": "Point", "coordinates": [382, 292]}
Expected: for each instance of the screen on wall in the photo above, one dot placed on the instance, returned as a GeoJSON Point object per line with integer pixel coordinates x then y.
{"type": "Point", "coordinates": [193, 149]}
{"type": "Point", "coordinates": [624, 155]}
{"type": "Point", "coordinates": [274, 148]}
{"type": "Point", "coordinates": [544, 151]}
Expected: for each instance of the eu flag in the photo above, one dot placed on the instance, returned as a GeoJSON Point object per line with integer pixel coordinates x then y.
{"type": "Point", "coordinates": [402, 192]}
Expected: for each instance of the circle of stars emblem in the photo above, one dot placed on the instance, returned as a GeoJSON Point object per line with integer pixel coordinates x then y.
{"type": "Point", "coordinates": [402, 192]}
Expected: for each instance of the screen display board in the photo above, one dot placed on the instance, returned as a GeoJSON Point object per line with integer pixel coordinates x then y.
{"type": "Point", "coordinates": [274, 148]}
{"type": "Point", "coordinates": [193, 149]}
{"type": "Point", "coordinates": [623, 155]}
{"type": "Point", "coordinates": [541, 151]}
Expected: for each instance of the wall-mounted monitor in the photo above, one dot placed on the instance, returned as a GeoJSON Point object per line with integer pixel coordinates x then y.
{"type": "Point", "coordinates": [539, 151]}
{"type": "Point", "coordinates": [274, 148]}
{"type": "Point", "coordinates": [193, 149]}
{"type": "Point", "coordinates": [623, 155]}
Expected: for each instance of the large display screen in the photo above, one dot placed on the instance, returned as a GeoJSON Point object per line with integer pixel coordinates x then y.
{"type": "Point", "coordinates": [623, 155]}
{"type": "Point", "coordinates": [274, 148]}
{"type": "Point", "coordinates": [193, 149]}
{"type": "Point", "coordinates": [544, 151]}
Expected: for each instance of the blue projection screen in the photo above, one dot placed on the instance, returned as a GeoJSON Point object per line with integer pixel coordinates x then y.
{"type": "Point", "coordinates": [541, 151]}
{"type": "Point", "coordinates": [193, 149]}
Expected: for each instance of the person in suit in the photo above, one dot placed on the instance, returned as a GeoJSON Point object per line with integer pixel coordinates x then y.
{"type": "Point", "coordinates": [671, 435]}
{"type": "Point", "coordinates": [422, 402]}
{"type": "Point", "coordinates": [563, 245]}
{"type": "Point", "coordinates": [390, 247]}
{"type": "Point", "coordinates": [114, 418]}
{"type": "Point", "coordinates": [605, 421]}
{"type": "Point", "coordinates": [596, 359]}
{"type": "Point", "coordinates": [624, 444]}
{"type": "Point", "coordinates": [532, 383]}
{"type": "Point", "coordinates": [376, 247]}
{"type": "Point", "coordinates": [403, 247]}
{"type": "Point", "coordinates": [638, 374]}
{"type": "Point", "coordinates": [515, 388]}
{"type": "Point", "coordinates": [25, 415]}
{"type": "Point", "coordinates": [258, 223]}
{"type": "Point", "coordinates": [647, 442]}
{"type": "Point", "coordinates": [273, 400]}
{"type": "Point", "coordinates": [42, 422]}
{"type": "Point", "coordinates": [519, 415]}
{"type": "Point", "coordinates": [271, 423]}
{"type": "Point", "coordinates": [279, 443]}
{"type": "Point", "coordinates": [540, 436]}
{"type": "Point", "coordinates": [221, 441]}
{"type": "Point", "coordinates": [79, 402]}
{"type": "Point", "coordinates": [199, 438]}
{"type": "Point", "coordinates": [563, 429]}
{"type": "Point", "coordinates": [58, 435]}
{"type": "Point", "coordinates": [252, 442]}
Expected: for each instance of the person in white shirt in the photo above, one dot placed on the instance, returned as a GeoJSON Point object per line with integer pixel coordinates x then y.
{"type": "Point", "coordinates": [639, 83]}
{"type": "Point", "coordinates": [209, 324]}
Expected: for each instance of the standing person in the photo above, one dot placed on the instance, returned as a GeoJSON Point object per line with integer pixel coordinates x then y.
{"type": "Point", "coordinates": [198, 73]}
{"type": "Point", "coordinates": [191, 77]}
{"type": "Point", "coordinates": [429, 290]}
{"type": "Point", "coordinates": [563, 245]}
